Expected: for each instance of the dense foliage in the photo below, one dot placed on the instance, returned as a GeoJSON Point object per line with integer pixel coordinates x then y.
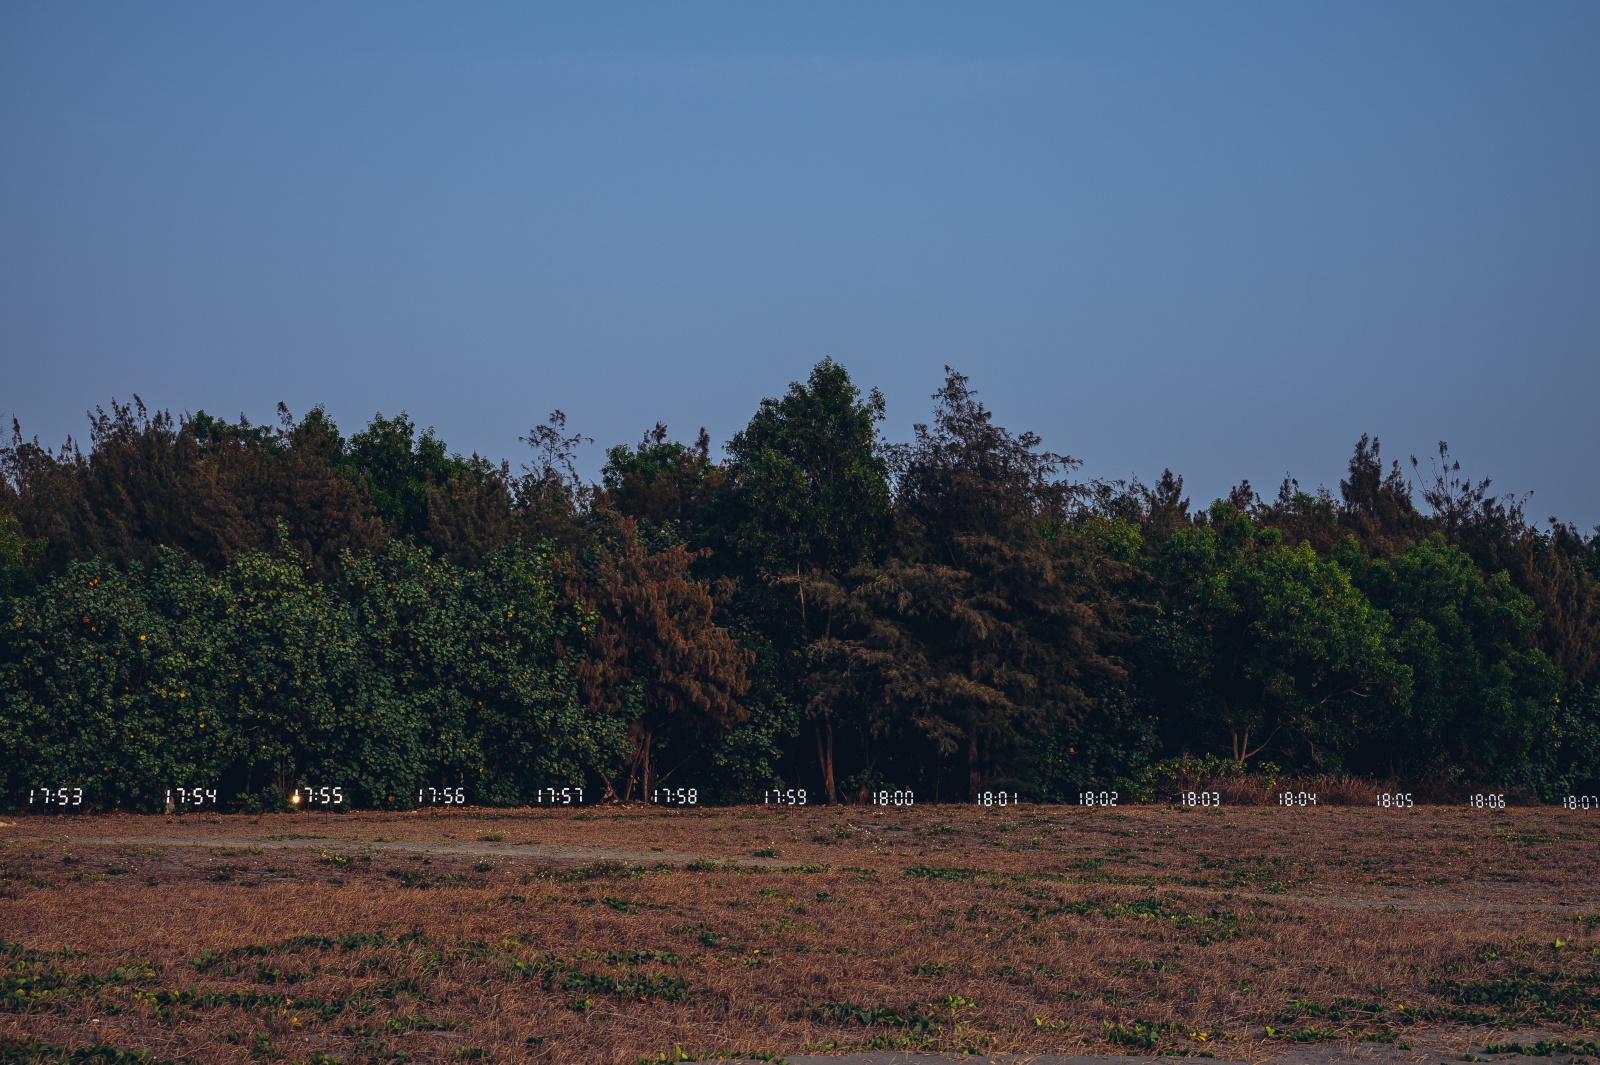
{"type": "Point", "coordinates": [255, 609]}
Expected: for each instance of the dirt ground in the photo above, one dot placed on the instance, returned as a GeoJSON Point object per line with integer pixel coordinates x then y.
{"type": "Point", "coordinates": [617, 934]}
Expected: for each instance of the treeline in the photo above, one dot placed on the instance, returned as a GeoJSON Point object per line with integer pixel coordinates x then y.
{"type": "Point", "coordinates": [255, 608]}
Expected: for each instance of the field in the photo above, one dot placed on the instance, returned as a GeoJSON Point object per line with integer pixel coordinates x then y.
{"type": "Point", "coordinates": [615, 933]}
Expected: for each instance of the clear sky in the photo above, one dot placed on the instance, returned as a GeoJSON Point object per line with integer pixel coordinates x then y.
{"type": "Point", "coordinates": [1225, 238]}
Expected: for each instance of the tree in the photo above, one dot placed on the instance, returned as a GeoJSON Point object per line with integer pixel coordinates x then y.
{"type": "Point", "coordinates": [808, 502]}
{"type": "Point", "coordinates": [263, 604]}
{"type": "Point", "coordinates": [1270, 646]}
{"type": "Point", "coordinates": [250, 481]}
{"type": "Point", "coordinates": [1165, 509]}
{"type": "Point", "coordinates": [663, 483]}
{"type": "Point", "coordinates": [124, 501]}
{"type": "Point", "coordinates": [397, 467]}
{"type": "Point", "coordinates": [992, 595]}
{"type": "Point", "coordinates": [1302, 517]}
{"type": "Point", "coordinates": [552, 501]}
{"type": "Point", "coordinates": [1483, 694]}
{"type": "Point", "coordinates": [657, 657]}
{"type": "Point", "coordinates": [19, 557]}
{"type": "Point", "coordinates": [1554, 568]}
{"type": "Point", "coordinates": [402, 670]}
{"type": "Point", "coordinates": [110, 681]}
{"type": "Point", "coordinates": [1377, 506]}
{"type": "Point", "coordinates": [470, 512]}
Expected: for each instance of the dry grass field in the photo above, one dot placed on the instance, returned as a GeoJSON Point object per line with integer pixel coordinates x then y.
{"type": "Point", "coordinates": [611, 934]}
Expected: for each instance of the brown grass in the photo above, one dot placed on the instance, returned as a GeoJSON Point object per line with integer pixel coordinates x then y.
{"type": "Point", "coordinates": [607, 934]}
{"type": "Point", "coordinates": [1255, 788]}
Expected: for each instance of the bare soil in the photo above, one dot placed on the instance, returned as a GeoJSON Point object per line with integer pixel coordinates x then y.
{"type": "Point", "coordinates": [612, 934]}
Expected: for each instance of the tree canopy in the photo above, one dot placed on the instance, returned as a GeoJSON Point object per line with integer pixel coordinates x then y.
{"type": "Point", "coordinates": [262, 607]}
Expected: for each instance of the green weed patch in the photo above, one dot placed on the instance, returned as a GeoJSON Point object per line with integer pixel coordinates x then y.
{"type": "Point", "coordinates": [867, 1016]}
{"type": "Point", "coordinates": [1544, 1048]}
{"type": "Point", "coordinates": [1528, 993]}
{"type": "Point", "coordinates": [36, 1052]}
{"type": "Point", "coordinates": [936, 872]}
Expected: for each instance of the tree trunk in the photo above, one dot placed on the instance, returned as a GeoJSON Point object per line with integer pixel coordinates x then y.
{"type": "Point", "coordinates": [824, 725]}
{"type": "Point", "coordinates": [973, 782]}
{"type": "Point", "coordinates": [1241, 745]}
{"type": "Point", "coordinates": [647, 767]}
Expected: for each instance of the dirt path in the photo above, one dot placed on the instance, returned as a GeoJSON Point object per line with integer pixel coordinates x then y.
{"type": "Point", "coordinates": [1425, 1050]}
{"type": "Point", "coordinates": [572, 853]}
{"type": "Point", "coordinates": [549, 852]}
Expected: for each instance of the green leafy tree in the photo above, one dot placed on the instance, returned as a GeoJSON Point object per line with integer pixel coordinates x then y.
{"type": "Point", "coordinates": [808, 502]}
{"type": "Point", "coordinates": [469, 664]}
{"type": "Point", "coordinates": [19, 557]}
{"type": "Point", "coordinates": [397, 466]}
{"type": "Point", "coordinates": [1483, 695]}
{"type": "Point", "coordinates": [112, 683]}
{"type": "Point", "coordinates": [404, 671]}
{"type": "Point", "coordinates": [1269, 646]}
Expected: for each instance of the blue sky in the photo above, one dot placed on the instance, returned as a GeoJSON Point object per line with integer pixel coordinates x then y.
{"type": "Point", "coordinates": [1224, 238]}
